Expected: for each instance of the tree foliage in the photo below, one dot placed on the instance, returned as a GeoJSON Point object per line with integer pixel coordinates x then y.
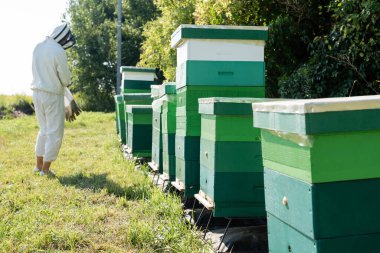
{"type": "Point", "coordinates": [156, 50]}
{"type": "Point", "coordinates": [315, 48]}
{"type": "Point", "coordinates": [93, 59]}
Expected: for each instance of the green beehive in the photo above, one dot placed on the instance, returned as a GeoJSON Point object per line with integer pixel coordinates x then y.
{"type": "Point", "coordinates": [136, 79]}
{"type": "Point", "coordinates": [120, 118]}
{"type": "Point", "coordinates": [231, 170]}
{"type": "Point", "coordinates": [187, 176]}
{"type": "Point", "coordinates": [157, 163]}
{"type": "Point", "coordinates": [212, 61]}
{"type": "Point", "coordinates": [318, 140]}
{"type": "Point", "coordinates": [139, 130]}
{"type": "Point", "coordinates": [220, 55]}
{"type": "Point", "coordinates": [321, 178]}
{"type": "Point", "coordinates": [284, 239]}
{"type": "Point", "coordinates": [134, 99]}
{"type": "Point", "coordinates": [168, 118]}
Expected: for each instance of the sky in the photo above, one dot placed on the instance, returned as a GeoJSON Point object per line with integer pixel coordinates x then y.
{"type": "Point", "coordinates": [24, 23]}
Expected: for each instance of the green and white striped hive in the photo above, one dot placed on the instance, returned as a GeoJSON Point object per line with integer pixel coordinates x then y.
{"type": "Point", "coordinates": [139, 130]}
{"type": "Point", "coordinates": [136, 79]}
{"type": "Point", "coordinates": [157, 162]}
{"type": "Point", "coordinates": [220, 55]}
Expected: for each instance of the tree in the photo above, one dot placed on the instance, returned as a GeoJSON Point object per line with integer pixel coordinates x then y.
{"type": "Point", "coordinates": [156, 51]}
{"type": "Point", "coordinates": [93, 59]}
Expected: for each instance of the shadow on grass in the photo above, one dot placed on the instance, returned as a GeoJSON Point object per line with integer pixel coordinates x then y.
{"type": "Point", "coordinates": [97, 182]}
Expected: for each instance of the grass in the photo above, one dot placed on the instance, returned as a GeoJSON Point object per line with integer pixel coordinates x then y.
{"type": "Point", "coordinates": [96, 203]}
{"type": "Point", "coordinates": [9, 104]}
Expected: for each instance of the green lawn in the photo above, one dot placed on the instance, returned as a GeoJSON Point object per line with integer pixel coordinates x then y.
{"type": "Point", "coordinates": [96, 203]}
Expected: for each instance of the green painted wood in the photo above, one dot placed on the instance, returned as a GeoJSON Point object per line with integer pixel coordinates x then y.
{"type": "Point", "coordinates": [187, 147]}
{"type": "Point", "coordinates": [169, 165]}
{"type": "Point", "coordinates": [137, 99]}
{"type": "Point", "coordinates": [187, 172]}
{"type": "Point", "coordinates": [231, 156]}
{"type": "Point", "coordinates": [121, 122]}
{"type": "Point", "coordinates": [188, 96]}
{"type": "Point", "coordinates": [116, 120]}
{"type": "Point", "coordinates": [140, 129]}
{"type": "Point", "coordinates": [235, 193]}
{"type": "Point", "coordinates": [140, 139]}
{"type": "Point", "coordinates": [184, 32]}
{"type": "Point", "coordinates": [229, 128]}
{"type": "Point", "coordinates": [332, 157]}
{"type": "Point", "coordinates": [129, 91]}
{"type": "Point", "coordinates": [168, 143]}
{"type": "Point", "coordinates": [137, 84]}
{"type": "Point", "coordinates": [284, 239]}
{"type": "Point", "coordinates": [189, 124]}
{"type": "Point", "coordinates": [324, 210]}
{"type": "Point", "coordinates": [136, 69]}
{"type": "Point", "coordinates": [118, 98]}
{"type": "Point", "coordinates": [168, 89]}
{"type": "Point", "coordinates": [168, 122]}
{"type": "Point", "coordinates": [220, 73]}
{"type": "Point", "coordinates": [319, 123]}
{"type": "Point", "coordinates": [228, 105]}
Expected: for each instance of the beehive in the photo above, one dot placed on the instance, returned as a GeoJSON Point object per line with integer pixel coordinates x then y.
{"type": "Point", "coordinates": [168, 117]}
{"type": "Point", "coordinates": [157, 162]}
{"type": "Point", "coordinates": [120, 118]}
{"type": "Point", "coordinates": [139, 130]}
{"type": "Point", "coordinates": [212, 61]}
{"type": "Point", "coordinates": [133, 99]}
{"type": "Point", "coordinates": [231, 170]}
{"type": "Point", "coordinates": [136, 79]}
{"type": "Point", "coordinates": [321, 178]}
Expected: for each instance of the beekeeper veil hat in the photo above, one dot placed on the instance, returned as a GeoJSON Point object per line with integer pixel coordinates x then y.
{"type": "Point", "coordinates": [62, 35]}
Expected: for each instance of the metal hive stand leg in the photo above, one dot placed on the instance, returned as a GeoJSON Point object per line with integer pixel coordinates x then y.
{"type": "Point", "coordinates": [200, 215]}
{"type": "Point", "coordinates": [208, 223]}
{"type": "Point", "coordinates": [225, 232]}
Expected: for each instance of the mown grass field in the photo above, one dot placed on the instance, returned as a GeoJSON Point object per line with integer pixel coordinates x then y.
{"type": "Point", "coordinates": [96, 203]}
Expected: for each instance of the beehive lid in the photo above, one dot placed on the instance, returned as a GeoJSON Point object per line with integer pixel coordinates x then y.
{"type": "Point", "coordinates": [224, 32]}
{"type": "Point", "coordinates": [137, 97]}
{"type": "Point", "coordinates": [139, 109]}
{"type": "Point", "coordinates": [136, 69]}
{"type": "Point", "coordinates": [227, 106]}
{"type": "Point", "coordinates": [168, 88]}
{"type": "Point", "coordinates": [155, 91]}
{"type": "Point", "coordinates": [308, 116]}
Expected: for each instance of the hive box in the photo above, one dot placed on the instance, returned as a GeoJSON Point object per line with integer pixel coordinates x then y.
{"type": "Point", "coordinates": [139, 130]}
{"type": "Point", "coordinates": [157, 162]}
{"type": "Point", "coordinates": [168, 117]}
{"type": "Point", "coordinates": [284, 239]}
{"type": "Point", "coordinates": [220, 55]}
{"type": "Point", "coordinates": [318, 140]}
{"type": "Point", "coordinates": [231, 170]}
{"type": "Point", "coordinates": [136, 79]}
{"type": "Point", "coordinates": [324, 210]}
{"type": "Point", "coordinates": [133, 99]}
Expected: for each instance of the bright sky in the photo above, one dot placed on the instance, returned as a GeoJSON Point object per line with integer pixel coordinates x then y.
{"type": "Point", "coordinates": [24, 23]}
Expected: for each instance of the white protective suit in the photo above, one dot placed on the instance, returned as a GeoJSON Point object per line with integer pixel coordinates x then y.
{"type": "Point", "coordinates": [50, 76]}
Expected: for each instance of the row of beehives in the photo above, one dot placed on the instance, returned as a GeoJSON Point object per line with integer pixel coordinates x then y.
{"type": "Point", "coordinates": [321, 178]}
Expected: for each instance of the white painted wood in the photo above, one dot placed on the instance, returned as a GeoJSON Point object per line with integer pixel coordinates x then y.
{"type": "Point", "coordinates": [302, 106]}
{"type": "Point", "coordinates": [220, 50]}
{"type": "Point", "coordinates": [138, 76]}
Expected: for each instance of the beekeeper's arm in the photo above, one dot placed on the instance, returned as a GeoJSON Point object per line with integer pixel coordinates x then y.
{"type": "Point", "coordinates": [63, 69]}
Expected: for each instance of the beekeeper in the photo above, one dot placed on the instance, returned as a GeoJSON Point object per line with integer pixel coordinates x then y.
{"type": "Point", "coordinates": [50, 76]}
